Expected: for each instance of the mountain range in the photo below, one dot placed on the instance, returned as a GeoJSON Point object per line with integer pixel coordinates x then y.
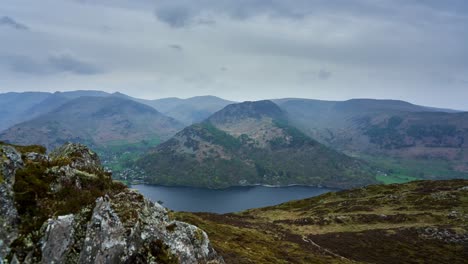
{"type": "Point", "coordinates": [246, 143]}
{"type": "Point", "coordinates": [95, 121]}
{"type": "Point", "coordinates": [188, 111]}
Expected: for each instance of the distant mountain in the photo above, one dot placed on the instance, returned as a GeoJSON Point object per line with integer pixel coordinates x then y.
{"type": "Point", "coordinates": [188, 111]}
{"type": "Point", "coordinates": [408, 141]}
{"type": "Point", "coordinates": [97, 121]}
{"type": "Point", "coordinates": [250, 143]}
{"type": "Point", "coordinates": [14, 105]}
{"type": "Point", "coordinates": [80, 93]}
{"type": "Point", "coordinates": [48, 104]}
{"type": "Point", "coordinates": [19, 107]}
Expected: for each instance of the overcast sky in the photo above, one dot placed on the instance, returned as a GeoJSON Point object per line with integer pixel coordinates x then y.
{"type": "Point", "coordinates": [415, 50]}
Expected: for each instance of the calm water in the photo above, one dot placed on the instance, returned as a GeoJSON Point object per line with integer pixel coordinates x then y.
{"type": "Point", "coordinates": [227, 200]}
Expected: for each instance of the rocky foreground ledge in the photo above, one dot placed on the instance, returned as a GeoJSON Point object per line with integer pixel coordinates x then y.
{"type": "Point", "coordinates": [65, 208]}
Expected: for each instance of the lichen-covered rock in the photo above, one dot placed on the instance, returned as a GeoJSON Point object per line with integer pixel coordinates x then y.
{"type": "Point", "coordinates": [99, 221]}
{"type": "Point", "coordinates": [10, 161]}
{"type": "Point", "coordinates": [136, 230]}
{"type": "Point", "coordinates": [79, 156]}
{"type": "Point", "coordinates": [36, 157]}
{"type": "Point", "coordinates": [58, 236]}
{"type": "Point", "coordinates": [105, 236]}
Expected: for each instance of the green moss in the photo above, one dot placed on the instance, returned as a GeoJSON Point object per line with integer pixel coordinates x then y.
{"type": "Point", "coordinates": [162, 253]}
{"type": "Point", "coordinates": [199, 235]}
{"type": "Point", "coordinates": [36, 201]}
{"type": "Point", "coordinates": [171, 227]}
{"type": "Point", "coordinates": [32, 148]}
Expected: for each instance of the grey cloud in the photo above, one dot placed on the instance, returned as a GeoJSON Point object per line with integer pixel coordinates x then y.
{"type": "Point", "coordinates": [277, 48]}
{"type": "Point", "coordinates": [205, 21]}
{"type": "Point", "coordinates": [175, 16]}
{"type": "Point", "coordinates": [10, 22]}
{"type": "Point", "coordinates": [23, 64]}
{"type": "Point", "coordinates": [180, 13]}
{"type": "Point", "coordinates": [324, 74]}
{"type": "Point", "coordinates": [53, 64]}
{"type": "Point", "coordinates": [175, 47]}
{"type": "Point", "coordinates": [68, 63]}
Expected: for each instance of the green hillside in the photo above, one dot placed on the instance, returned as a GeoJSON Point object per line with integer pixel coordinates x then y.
{"type": "Point", "coordinates": [250, 143]}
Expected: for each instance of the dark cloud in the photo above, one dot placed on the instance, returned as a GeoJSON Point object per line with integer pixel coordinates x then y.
{"type": "Point", "coordinates": [22, 64]}
{"type": "Point", "coordinates": [10, 22]}
{"type": "Point", "coordinates": [53, 64]}
{"type": "Point", "coordinates": [180, 13]}
{"type": "Point", "coordinates": [68, 63]}
{"type": "Point", "coordinates": [176, 47]}
{"type": "Point", "coordinates": [175, 16]}
{"type": "Point", "coordinates": [324, 74]}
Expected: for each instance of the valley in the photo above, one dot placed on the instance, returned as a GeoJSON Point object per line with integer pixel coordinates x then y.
{"type": "Point", "coordinates": [233, 132]}
{"type": "Point", "coordinates": [397, 223]}
{"type": "Point", "coordinates": [389, 141]}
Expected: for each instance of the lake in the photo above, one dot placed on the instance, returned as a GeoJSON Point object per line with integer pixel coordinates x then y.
{"type": "Point", "coordinates": [226, 200]}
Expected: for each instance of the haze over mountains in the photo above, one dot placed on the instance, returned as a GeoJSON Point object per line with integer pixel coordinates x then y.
{"type": "Point", "coordinates": [399, 140]}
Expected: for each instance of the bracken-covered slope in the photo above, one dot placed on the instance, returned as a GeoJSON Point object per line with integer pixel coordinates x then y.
{"type": "Point", "coordinates": [65, 208]}
{"type": "Point", "coordinates": [250, 143]}
{"type": "Point", "coordinates": [96, 121]}
{"type": "Point", "coordinates": [418, 222]}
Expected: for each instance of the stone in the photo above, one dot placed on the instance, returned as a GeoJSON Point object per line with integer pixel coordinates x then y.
{"type": "Point", "coordinates": [10, 162]}
{"type": "Point", "coordinates": [120, 226]}
{"type": "Point", "coordinates": [57, 239]}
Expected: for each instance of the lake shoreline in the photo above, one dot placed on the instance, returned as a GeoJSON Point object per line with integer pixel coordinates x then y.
{"type": "Point", "coordinates": [233, 199]}
{"type": "Point", "coordinates": [240, 186]}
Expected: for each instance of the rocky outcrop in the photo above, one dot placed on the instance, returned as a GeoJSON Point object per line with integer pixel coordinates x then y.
{"type": "Point", "coordinates": [110, 223]}
{"type": "Point", "coordinates": [10, 161]}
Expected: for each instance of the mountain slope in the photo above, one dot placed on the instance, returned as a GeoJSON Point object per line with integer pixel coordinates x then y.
{"type": "Point", "coordinates": [97, 121]}
{"type": "Point", "coordinates": [190, 110]}
{"type": "Point", "coordinates": [13, 105]}
{"type": "Point", "coordinates": [250, 143]}
{"type": "Point", "coordinates": [407, 140]}
{"type": "Point", "coordinates": [418, 222]}
{"type": "Point", "coordinates": [19, 107]}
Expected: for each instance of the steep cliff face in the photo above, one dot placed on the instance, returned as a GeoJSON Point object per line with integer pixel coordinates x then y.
{"type": "Point", "coordinates": [65, 208]}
